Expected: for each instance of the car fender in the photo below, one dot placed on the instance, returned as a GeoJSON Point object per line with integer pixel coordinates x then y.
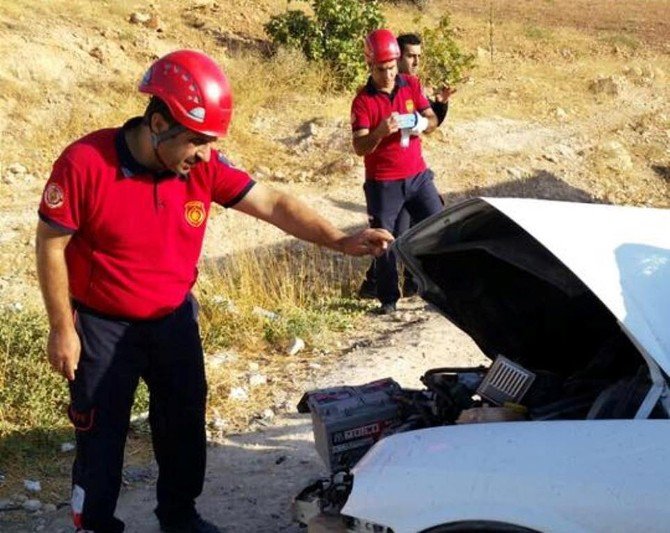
{"type": "Point", "coordinates": [559, 476]}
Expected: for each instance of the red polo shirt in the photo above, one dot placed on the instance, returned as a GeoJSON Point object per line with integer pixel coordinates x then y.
{"type": "Point", "coordinates": [136, 235]}
{"type": "Point", "coordinates": [390, 161]}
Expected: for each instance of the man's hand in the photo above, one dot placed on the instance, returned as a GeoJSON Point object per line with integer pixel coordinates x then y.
{"type": "Point", "coordinates": [64, 349]}
{"type": "Point", "coordinates": [370, 241]}
{"type": "Point", "coordinates": [387, 126]}
{"type": "Point", "coordinates": [444, 94]}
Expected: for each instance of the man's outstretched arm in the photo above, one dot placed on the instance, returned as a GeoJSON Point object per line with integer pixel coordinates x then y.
{"type": "Point", "coordinates": [296, 218]}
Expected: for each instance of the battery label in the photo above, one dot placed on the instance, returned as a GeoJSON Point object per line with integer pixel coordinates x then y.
{"type": "Point", "coordinates": [372, 430]}
{"type": "Point", "coordinates": [339, 448]}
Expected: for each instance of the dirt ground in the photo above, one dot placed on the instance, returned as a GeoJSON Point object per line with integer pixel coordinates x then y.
{"type": "Point", "coordinates": [597, 131]}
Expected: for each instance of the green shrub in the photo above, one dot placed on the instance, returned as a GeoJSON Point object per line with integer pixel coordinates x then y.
{"type": "Point", "coordinates": [444, 63]}
{"type": "Point", "coordinates": [334, 35]}
{"type": "Point", "coordinates": [31, 394]}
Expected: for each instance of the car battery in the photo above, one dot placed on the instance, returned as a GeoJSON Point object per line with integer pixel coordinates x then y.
{"type": "Point", "coordinates": [347, 420]}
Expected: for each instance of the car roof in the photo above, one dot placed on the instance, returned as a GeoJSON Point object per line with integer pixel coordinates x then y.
{"type": "Point", "coordinates": [621, 253]}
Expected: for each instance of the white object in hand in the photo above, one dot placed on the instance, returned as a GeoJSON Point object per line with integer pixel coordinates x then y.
{"type": "Point", "coordinates": [421, 124]}
{"type": "Point", "coordinates": [404, 137]}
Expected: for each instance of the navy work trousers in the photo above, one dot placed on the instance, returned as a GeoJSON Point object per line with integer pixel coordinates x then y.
{"type": "Point", "coordinates": [385, 202]}
{"type": "Point", "coordinates": [167, 354]}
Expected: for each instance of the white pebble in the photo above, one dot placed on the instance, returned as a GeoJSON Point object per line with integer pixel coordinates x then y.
{"type": "Point", "coordinates": [32, 486]}
{"type": "Point", "coordinates": [32, 505]}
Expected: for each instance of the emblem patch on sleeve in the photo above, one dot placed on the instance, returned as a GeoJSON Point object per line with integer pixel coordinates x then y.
{"type": "Point", "coordinates": [409, 105]}
{"type": "Point", "coordinates": [194, 212]}
{"type": "Point", "coordinates": [54, 195]}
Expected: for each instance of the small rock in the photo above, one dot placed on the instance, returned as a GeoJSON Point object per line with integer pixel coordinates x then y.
{"type": "Point", "coordinates": [239, 394]}
{"type": "Point", "coordinates": [17, 168]}
{"type": "Point", "coordinates": [139, 18]}
{"type": "Point", "coordinates": [256, 380]}
{"type": "Point", "coordinates": [616, 156]}
{"type": "Point", "coordinates": [67, 447]}
{"type": "Point", "coordinates": [560, 112]}
{"type": "Point", "coordinates": [32, 485]}
{"type": "Point", "coordinates": [155, 23]}
{"type": "Point", "coordinates": [219, 424]}
{"type": "Point", "coordinates": [314, 366]}
{"type": "Point", "coordinates": [254, 367]}
{"type": "Point", "coordinates": [5, 504]}
{"type": "Point", "coordinates": [296, 345]}
{"type": "Point", "coordinates": [482, 53]}
{"type": "Point", "coordinates": [32, 505]}
{"type": "Point", "coordinates": [224, 303]}
{"type": "Point", "coordinates": [268, 415]}
{"type": "Point", "coordinates": [263, 171]}
{"type": "Point", "coordinates": [97, 54]}
{"type": "Point", "coordinates": [221, 358]}
{"type": "Point", "coordinates": [612, 85]}
{"type": "Point", "coordinates": [259, 311]}
{"type": "Point", "coordinates": [17, 307]}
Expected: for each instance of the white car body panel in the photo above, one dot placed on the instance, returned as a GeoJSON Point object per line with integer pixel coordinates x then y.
{"type": "Point", "coordinates": [621, 253]}
{"type": "Point", "coordinates": [576, 476]}
{"type": "Point", "coordinates": [555, 476]}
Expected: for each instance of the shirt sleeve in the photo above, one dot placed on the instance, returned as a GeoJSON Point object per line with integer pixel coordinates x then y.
{"type": "Point", "coordinates": [63, 197]}
{"type": "Point", "coordinates": [440, 109]}
{"type": "Point", "coordinates": [360, 118]}
{"type": "Point", "coordinates": [230, 184]}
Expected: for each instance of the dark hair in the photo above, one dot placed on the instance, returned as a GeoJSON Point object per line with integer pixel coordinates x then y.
{"type": "Point", "coordinates": [156, 105]}
{"type": "Point", "coordinates": [408, 39]}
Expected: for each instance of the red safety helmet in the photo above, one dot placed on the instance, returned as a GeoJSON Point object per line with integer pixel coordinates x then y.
{"type": "Point", "coordinates": [195, 90]}
{"type": "Point", "coordinates": [381, 46]}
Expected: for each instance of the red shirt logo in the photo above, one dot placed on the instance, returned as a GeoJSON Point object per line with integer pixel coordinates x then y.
{"type": "Point", "coordinates": [53, 196]}
{"type": "Point", "coordinates": [194, 211]}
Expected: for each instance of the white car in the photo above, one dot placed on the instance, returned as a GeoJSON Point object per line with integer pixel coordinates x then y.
{"type": "Point", "coordinates": [578, 297]}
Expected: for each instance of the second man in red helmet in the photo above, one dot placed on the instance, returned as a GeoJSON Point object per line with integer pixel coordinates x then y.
{"type": "Point", "coordinates": [388, 115]}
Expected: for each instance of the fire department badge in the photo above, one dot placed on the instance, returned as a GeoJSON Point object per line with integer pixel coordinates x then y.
{"type": "Point", "coordinates": [54, 196]}
{"type": "Point", "coordinates": [194, 212]}
{"type": "Point", "coordinates": [409, 105]}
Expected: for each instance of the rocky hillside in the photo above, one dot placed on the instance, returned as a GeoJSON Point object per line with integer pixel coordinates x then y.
{"type": "Point", "coordinates": [556, 106]}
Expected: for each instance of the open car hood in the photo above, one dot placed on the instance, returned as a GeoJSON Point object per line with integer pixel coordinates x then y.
{"type": "Point", "coordinates": [548, 283]}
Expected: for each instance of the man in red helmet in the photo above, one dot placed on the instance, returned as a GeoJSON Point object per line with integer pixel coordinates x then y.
{"type": "Point", "coordinates": [122, 220]}
{"type": "Point", "coordinates": [387, 117]}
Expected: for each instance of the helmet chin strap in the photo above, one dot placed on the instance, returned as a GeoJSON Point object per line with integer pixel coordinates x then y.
{"type": "Point", "coordinates": [157, 138]}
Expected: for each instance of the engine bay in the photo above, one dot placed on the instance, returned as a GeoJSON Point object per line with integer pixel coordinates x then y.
{"type": "Point", "coordinates": [348, 420]}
